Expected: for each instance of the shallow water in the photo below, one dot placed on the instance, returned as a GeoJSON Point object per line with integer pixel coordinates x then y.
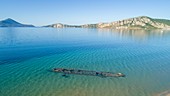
{"type": "Point", "coordinates": [28, 54]}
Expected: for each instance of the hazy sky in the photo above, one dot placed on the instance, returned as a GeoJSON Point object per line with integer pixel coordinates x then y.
{"type": "Point", "coordinates": [42, 12]}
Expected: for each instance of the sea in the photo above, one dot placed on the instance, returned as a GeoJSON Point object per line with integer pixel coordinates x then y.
{"type": "Point", "coordinates": [28, 55]}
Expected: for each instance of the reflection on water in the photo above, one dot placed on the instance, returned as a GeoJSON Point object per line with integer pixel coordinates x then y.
{"type": "Point", "coordinates": [137, 34]}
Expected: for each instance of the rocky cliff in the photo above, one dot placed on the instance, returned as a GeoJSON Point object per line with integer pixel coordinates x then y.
{"type": "Point", "coordinates": [60, 25]}
{"type": "Point", "coordinates": [142, 22]}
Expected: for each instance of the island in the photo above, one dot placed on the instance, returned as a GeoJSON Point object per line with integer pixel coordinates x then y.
{"type": "Point", "coordinates": [12, 23]}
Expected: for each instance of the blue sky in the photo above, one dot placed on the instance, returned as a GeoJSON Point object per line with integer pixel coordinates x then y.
{"type": "Point", "coordinates": [42, 12]}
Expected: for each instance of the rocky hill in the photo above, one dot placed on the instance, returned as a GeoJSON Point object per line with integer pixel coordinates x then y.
{"type": "Point", "coordinates": [12, 23]}
{"type": "Point", "coordinates": [60, 25]}
{"type": "Point", "coordinates": [142, 22]}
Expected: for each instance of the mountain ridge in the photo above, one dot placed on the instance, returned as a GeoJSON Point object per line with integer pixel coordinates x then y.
{"type": "Point", "coordinates": [141, 22]}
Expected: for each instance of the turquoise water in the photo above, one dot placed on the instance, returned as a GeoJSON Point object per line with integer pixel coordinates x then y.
{"type": "Point", "coordinates": [27, 55]}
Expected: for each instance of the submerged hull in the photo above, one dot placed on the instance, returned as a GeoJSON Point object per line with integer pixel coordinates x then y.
{"type": "Point", "coordinates": [86, 72]}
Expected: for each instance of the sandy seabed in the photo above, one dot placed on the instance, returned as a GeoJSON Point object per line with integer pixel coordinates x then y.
{"type": "Point", "coordinates": [165, 93]}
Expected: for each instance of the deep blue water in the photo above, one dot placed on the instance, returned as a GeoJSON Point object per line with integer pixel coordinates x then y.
{"type": "Point", "coordinates": [27, 55]}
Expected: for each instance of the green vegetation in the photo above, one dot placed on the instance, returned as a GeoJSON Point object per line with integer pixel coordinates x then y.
{"type": "Point", "coordinates": [167, 22]}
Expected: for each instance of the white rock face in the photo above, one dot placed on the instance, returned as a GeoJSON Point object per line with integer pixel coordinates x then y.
{"type": "Point", "coordinates": [58, 25]}
{"type": "Point", "coordinates": [136, 23]}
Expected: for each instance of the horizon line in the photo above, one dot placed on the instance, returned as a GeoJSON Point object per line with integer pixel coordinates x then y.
{"type": "Point", "coordinates": [83, 23]}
